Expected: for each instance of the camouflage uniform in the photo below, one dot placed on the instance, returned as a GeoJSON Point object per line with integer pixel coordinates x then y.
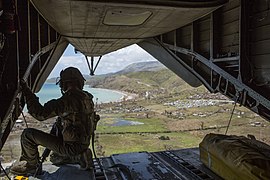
{"type": "Point", "coordinates": [75, 110]}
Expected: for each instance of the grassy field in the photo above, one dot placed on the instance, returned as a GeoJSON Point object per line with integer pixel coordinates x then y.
{"type": "Point", "coordinates": [123, 143]}
{"type": "Point", "coordinates": [185, 127]}
{"type": "Point", "coordinates": [164, 132]}
{"type": "Point", "coordinates": [163, 127]}
{"type": "Point", "coordinates": [149, 125]}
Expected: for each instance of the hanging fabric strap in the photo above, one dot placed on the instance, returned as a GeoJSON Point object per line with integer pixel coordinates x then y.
{"type": "Point", "coordinates": [91, 66]}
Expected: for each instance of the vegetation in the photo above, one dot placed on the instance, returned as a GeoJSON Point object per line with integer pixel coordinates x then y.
{"type": "Point", "coordinates": [182, 132]}
{"type": "Point", "coordinates": [115, 144]}
{"type": "Point", "coordinates": [178, 127]}
{"type": "Point", "coordinates": [172, 116]}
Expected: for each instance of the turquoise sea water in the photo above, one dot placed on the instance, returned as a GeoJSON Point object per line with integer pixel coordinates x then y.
{"type": "Point", "coordinates": [51, 91]}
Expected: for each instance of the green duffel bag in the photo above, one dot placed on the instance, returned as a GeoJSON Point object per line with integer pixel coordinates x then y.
{"type": "Point", "coordinates": [235, 157]}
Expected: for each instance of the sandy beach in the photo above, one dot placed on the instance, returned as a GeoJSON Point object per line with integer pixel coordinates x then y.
{"type": "Point", "coordinates": [124, 95]}
{"type": "Point", "coordinates": [128, 96]}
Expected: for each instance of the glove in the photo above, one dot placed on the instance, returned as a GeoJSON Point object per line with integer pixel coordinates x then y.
{"type": "Point", "coordinates": [97, 117]}
{"type": "Point", "coordinates": [25, 89]}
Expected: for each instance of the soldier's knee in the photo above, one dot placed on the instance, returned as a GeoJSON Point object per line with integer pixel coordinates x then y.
{"type": "Point", "coordinates": [27, 133]}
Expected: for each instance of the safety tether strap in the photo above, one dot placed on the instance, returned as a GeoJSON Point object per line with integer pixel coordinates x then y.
{"type": "Point", "coordinates": [237, 98]}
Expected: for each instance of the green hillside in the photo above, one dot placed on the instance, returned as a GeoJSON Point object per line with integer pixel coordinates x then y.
{"type": "Point", "coordinates": [161, 81]}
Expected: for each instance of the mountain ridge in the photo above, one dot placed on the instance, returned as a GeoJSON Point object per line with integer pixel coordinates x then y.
{"type": "Point", "coordinates": [139, 78]}
{"type": "Point", "coordinates": [142, 66]}
{"type": "Point", "coordinates": [134, 67]}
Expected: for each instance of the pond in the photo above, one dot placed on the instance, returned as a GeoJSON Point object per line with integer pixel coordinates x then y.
{"type": "Point", "coordinates": [123, 122]}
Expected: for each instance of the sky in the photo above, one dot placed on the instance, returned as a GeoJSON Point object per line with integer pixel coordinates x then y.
{"type": "Point", "coordinates": [109, 63]}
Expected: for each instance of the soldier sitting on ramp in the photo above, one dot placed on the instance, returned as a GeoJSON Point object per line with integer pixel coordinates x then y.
{"type": "Point", "coordinates": [75, 109]}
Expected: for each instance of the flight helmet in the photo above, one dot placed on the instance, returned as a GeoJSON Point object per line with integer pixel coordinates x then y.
{"type": "Point", "coordinates": [71, 74]}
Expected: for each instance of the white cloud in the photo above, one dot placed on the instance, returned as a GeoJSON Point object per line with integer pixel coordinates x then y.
{"type": "Point", "coordinates": [109, 63]}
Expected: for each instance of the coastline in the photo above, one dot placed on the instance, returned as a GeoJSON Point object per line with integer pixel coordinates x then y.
{"type": "Point", "coordinates": [101, 95]}
{"type": "Point", "coordinates": [125, 95]}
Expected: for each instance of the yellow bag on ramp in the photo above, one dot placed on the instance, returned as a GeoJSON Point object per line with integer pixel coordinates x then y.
{"type": "Point", "coordinates": [235, 157]}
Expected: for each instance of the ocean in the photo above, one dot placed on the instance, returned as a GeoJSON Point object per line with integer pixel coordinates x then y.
{"type": "Point", "coordinates": [51, 91]}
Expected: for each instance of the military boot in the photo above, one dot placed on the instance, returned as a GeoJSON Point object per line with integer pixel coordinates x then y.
{"type": "Point", "coordinates": [84, 159]}
{"type": "Point", "coordinates": [24, 168]}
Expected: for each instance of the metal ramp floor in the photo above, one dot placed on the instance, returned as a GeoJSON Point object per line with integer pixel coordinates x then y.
{"type": "Point", "coordinates": [164, 165]}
